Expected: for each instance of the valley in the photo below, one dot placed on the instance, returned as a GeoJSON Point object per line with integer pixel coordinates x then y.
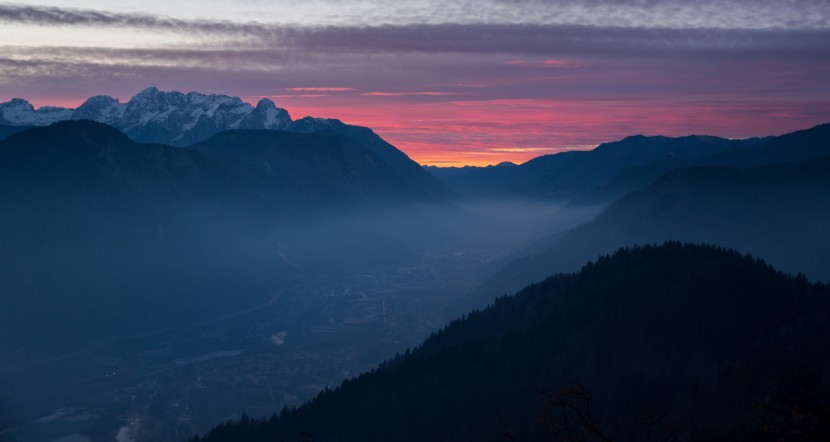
{"type": "Point", "coordinates": [170, 384]}
{"type": "Point", "coordinates": [261, 281]}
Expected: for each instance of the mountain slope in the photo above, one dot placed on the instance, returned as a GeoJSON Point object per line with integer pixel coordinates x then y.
{"type": "Point", "coordinates": [400, 162]}
{"type": "Point", "coordinates": [779, 212]}
{"type": "Point", "coordinates": [316, 166]}
{"type": "Point", "coordinates": [179, 119]}
{"type": "Point", "coordinates": [611, 170]}
{"type": "Point", "coordinates": [792, 147]}
{"type": "Point", "coordinates": [127, 237]}
{"type": "Point", "coordinates": [567, 174]}
{"type": "Point", "coordinates": [6, 130]}
{"type": "Point", "coordinates": [93, 223]}
{"type": "Point", "coordinates": [698, 333]}
{"type": "Point", "coordinates": [788, 148]}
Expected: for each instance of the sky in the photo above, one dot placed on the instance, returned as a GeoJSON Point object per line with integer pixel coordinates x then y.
{"type": "Point", "coordinates": [449, 82]}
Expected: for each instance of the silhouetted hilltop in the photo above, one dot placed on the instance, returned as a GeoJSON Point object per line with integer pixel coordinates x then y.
{"type": "Point", "coordinates": [92, 160]}
{"type": "Point", "coordinates": [676, 342]}
{"type": "Point", "coordinates": [788, 148]}
{"type": "Point", "coordinates": [565, 175]}
{"type": "Point", "coordinates": [611, 170]}
{"type": "Point", "coordinates": [181, 119]}
{"type": "Point", "coordinates": [779, 212]}
{"type": "Point", "coordinates": [411, 171]}
{"type": "Point", "coordinates": [314, 168]}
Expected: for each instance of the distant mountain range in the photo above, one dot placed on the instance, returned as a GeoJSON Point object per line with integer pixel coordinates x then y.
{"type": "Point", "coordinates": [676, 342]}
{"type": "Point", "coordinates": [154, 116]}
{"type": "Point", "coordinates": [780, 212]}
{"type": "Point", "coordinates": [563, 176]}
{"type": "Point", "coordinates": [178, 119]}
{"type": "Point", "coordinates": [128, 217]}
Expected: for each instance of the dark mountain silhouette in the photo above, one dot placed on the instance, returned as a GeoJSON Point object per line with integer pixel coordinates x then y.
{"type": "Point", "coordinates": [397, 160]}
{"type": "Point", "coordinates": [93, 159]}
{"type": "Point", "coordinates": [179, 119]}
{"type": "Point", "coordinates": [600, 176]}
{"type": "Point", "coordinates": [565, 175]}
{"type": "Point", "coordinates": [100, 231]}
{"type": "Point", "coordinates": [779, 212]}
{"type": "Point", "coordinates": [629, 180]}
{"type": "Point", "coordinates": [291, 166]}
{"type": "Point", "coordinates": [125, 237]}
{"type": "Point", "coordinates": [313, 168]}
{"type": "Point", "coordinates": [676, 342]}
{"type": "Point", "coordinates": [454, 171]}
{"type": "Point", "coordinates": [6, 130]}
{"type": "Point", "coordinates": [792, 147]}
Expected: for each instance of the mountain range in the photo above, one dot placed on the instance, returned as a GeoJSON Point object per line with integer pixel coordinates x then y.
{"type": "Point", "coordinates": [779, 212]}
{"type": "Point", "coordinates": [174, 209]}
{"type": "Point", "coordinates": [154, 116]}
{"type": "Point", "coordinates": [93, 221]}
{"type": "Point", "coordinates": [598, 176]}
{"type": "Point", "coordinates": [179, 119]}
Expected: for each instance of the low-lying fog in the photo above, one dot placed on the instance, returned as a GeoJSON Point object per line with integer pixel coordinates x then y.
{"type": "Point", "coordinates": [108, 307]}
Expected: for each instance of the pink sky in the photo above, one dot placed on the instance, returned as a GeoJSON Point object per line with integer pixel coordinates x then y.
{"type": "Point", "coordinates": [482, 132]}
{"type": "Point", "coordinates": [477, 91]}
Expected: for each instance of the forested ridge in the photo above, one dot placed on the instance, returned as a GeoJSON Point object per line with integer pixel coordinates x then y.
{"type": "Point", "coordinates": [671, 342]}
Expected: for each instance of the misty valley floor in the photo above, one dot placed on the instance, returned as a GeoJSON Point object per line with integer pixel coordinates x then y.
{"type": "Point", "coordinates": [172, 384]}
{"type": "Point", "coordinates": [154, 292]}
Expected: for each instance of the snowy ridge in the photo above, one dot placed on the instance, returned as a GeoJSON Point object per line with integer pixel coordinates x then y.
{"type": "Point", "coordinates": [154, 116]}
{"type": "Point", "coordinates": [19, 112]}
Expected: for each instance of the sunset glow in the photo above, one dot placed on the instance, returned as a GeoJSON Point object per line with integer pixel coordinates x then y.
{"type": "Point", "coordinates": [476, 83]}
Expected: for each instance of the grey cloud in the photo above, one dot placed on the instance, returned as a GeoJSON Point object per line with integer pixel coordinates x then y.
{"type": "Point", "coordinates": [55, 16]}
{"type": "Point", "coordinates": [725, 14]}
{"type": "Point", "coordinates": [480, 38]}
{"type": "Point", "coordinates": [265, 70]}
{"type": "Point", "coordinates": [563, 39]}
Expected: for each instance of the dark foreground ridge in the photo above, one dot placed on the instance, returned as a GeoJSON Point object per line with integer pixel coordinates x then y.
{"type": "Point", "coordinates": [676, 342]}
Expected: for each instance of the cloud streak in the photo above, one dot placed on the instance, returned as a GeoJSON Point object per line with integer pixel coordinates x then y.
{"type": "Point", "coordinates": [319, 89]}
{"type": "Point", "coordinates": [404, 94]}
{"type": "Point", "coordinates": [503, 38]}
{"type": "Point", "coordinates": [465, 81]}
{"type": "Point", "coordinates": [754, 14]}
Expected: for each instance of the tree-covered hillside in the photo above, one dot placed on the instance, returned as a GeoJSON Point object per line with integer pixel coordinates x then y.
{"type": "Point", "coordinates": [676, 342]}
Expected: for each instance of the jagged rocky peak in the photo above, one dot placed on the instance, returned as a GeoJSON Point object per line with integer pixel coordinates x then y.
{"type": "Point", "coordinates": [17, 104]}
{"type": "Point", "coordinates": [156, 116]}
{"type": "Point", "coordinates": [98, 101]}
{"type": "Point", "coordinates": [20, 112]}
{"type": "Point", "coordinates": [266, 115]}
{"type": "Point", "coordinates": [101, 108]}
{"type": "Point", "coordinates": [152, 97]}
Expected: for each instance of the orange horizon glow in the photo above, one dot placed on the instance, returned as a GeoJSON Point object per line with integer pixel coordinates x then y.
{"type": "Point", "coordinates": [450, 131]}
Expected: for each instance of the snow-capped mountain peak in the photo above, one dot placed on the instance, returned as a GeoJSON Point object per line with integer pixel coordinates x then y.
{"type": "Point", "coordinates": [102, 108]}
{"type": "Point", "coordinates": [155, 116]}
{"type": "Point", "coordinates": [266, 115]}
{"type": "Point", "coordinates": [19, 112]}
